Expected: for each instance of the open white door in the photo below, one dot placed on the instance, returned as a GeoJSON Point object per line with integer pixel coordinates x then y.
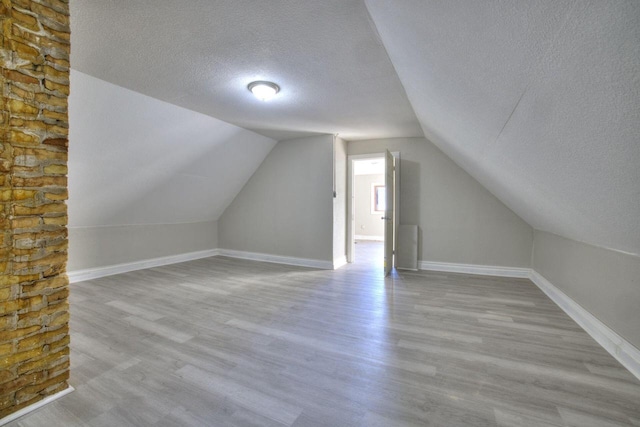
{"type": "Point", "coordinates": [389, 221]}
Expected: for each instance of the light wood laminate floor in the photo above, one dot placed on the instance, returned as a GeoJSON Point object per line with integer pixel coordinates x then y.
{"type": "Point", "coordinates": [225, 342]}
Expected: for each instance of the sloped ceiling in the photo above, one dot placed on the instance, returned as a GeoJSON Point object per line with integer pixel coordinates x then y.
{"type": "Point", "coordinates": [334, 73]}
{"type": "Point", "coordinates": [136, 160]}
{"type": "Point", "coordinates": [538, 100]}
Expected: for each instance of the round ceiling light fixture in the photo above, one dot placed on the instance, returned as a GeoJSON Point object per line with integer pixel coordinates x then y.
{"type": "Point", "coordinates": [263, 90]}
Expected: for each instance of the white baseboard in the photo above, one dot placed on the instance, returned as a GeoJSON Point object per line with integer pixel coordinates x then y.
{"type": "Point", "coordinates": [482, 270]}
{"type": "Point", "coordinates": [277, 259]}
{"type": "Point", "coordinates": [624, 352]}
{"type": "Point", "coordinates": [339, 262]}
{"type": "Point", "coordinates": [97, 272]}
{"type": "Point", "coordinates": [39, 404]}
{"type": "Point", "coordinates": [627, 354]}
{"type": "Point", "coordinates": [363, 237]}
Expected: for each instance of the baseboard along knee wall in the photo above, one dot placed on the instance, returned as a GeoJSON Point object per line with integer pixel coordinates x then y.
{"type": "Point", "coordinates": [623, 351]}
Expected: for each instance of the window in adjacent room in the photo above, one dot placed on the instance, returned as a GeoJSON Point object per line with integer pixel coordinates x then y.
{"type": "Point", "coordinates": [378, 198]}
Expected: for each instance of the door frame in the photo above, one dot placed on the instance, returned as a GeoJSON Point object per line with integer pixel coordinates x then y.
{"type": "Point", "coordinates": [350, 198]}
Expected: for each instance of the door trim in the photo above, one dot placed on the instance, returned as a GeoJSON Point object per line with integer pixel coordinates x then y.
{"type": "Point", "coordinates": [350, 196]}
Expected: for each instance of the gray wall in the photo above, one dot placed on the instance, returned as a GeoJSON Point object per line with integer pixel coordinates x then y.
{"type": "Point", "coordinates": [286, 206]}
{"type": "Point", "coordinates": [340, 202]}
{"type": "Point", "coordinates": [459, 220]}
{"type": "Point", "coordinates": [91, 247]}
{"type": "Point", "coordinates": [366, 223]}
{"type": "Point", "coordinates": [604, 282]}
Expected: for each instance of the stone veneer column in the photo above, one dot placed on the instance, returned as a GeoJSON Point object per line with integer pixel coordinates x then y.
{"type": "Point", "coordinates": [34, 316]}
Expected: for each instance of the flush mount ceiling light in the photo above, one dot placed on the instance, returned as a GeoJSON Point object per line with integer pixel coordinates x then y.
{"type": "Point", "coordinates": [263, 90]}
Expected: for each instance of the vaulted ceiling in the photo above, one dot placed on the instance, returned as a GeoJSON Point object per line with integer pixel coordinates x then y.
{"type": "Point", "coordinates": [538, 100]}
{"type": "Point", "coordinates": [136, 160]}
{"type": "Point", "coordinates": [335, 75]}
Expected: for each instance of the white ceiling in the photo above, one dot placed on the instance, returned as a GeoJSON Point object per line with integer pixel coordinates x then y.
{"type": "Point", "coordinates": [137, 160]}
{"type": "Point", "coordinates": [334, 73]}
{"type": "Point", "coordinates": [538, 100]}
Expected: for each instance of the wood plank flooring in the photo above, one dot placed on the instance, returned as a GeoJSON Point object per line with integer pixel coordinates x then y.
{"type": "Point", "coordinates": [225, 342]}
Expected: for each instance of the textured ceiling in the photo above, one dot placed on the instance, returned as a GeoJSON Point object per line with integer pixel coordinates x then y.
{"type": "Point", "coordinates": [334, 72]}
{"type": "Point", "coordinates": [137, 160]}
{"type": "Point", "coordinates": [538, 100]}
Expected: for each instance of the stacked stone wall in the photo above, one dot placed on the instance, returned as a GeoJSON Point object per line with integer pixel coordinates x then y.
{"type": "Point", "coordinates": [34, 312]}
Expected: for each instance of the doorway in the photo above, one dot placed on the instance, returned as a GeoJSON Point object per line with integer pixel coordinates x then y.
{"type": "Point", "coordinates": [371, 203]}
